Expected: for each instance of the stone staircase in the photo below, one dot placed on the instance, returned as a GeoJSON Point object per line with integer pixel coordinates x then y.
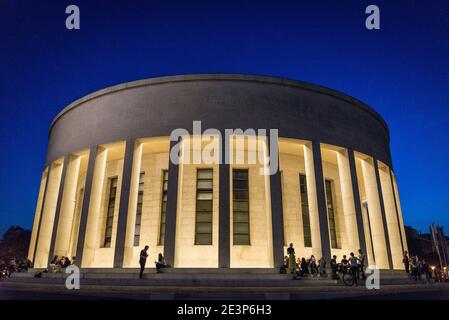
{"type": "Point", "coordinates": [197, 277]}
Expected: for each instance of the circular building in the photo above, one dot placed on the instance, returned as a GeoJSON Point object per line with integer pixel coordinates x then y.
{"type": "Point", "coordinates": [217, 171]}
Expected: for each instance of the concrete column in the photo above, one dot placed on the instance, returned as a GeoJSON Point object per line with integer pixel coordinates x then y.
{"type": "Point", "coordinates": [132, 208]}
{"type": "Point", "coordinates": [170, 218]}
{"type": "Point", "coordinates": [67, 211]}
{"type": "Point", "coordinates": [224, 206]}
{"type": "Point", "coordinates": [357, 204]}
{"type": "Point", "coordinates": [399, 211]}
{"type": "Point", "coordinates": [93, 218]}
{"type": "Point", "coordinates": [277, 221]}
{"type": "Point", "coordinates": [58, 211]}
{"type": "Point", "coordinates": [347, 194]}
{"type": "Point", "coordinates": [375, 214]}
{"type": "Point", "coordinates": [85, 207]}
{"type": "Point", "coordinates": [48, 215]}
{"type": "Point", "coordinates": [37, 215]}
{"type": "Point", "coordinates": [384, 216]}
{"type": "Point", "coordinates": [124, 205]}
{"type": "Point", "coordinates": [391, 217]}
{"type": "Point", "coordinates": [313, 200]}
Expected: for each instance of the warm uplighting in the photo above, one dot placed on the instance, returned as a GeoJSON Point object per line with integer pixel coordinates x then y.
{"type": "Point", "coordinates": [433, 268]}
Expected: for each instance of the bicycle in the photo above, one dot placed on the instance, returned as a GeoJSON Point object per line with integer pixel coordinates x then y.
{"type": "Point", "coordinates": [348, 277]}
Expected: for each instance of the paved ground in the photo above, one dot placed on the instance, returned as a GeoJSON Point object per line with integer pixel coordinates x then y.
{"type": "Point", "coordinates": [31, 291]}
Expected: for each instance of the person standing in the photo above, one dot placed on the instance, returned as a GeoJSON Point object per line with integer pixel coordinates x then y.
{"type": "Point", "coordinates": [406, 262]}
{"type": "Point", "coordinates": [426, 270]}
{"type": "Point", "coordinates": [312, 263]}
{"type": "Point", "coordinates": [334, 267]}
{"type": "Point", "coordinates": [291, 258]}
{"type": "Point", "coordinates": [322, 267]}
{"type": "Point", "coordinates": [354, 263]}
{"type": "Point", "coordinates": [362, 259]}
{"type": "Point", "coordinates": [143, 260]}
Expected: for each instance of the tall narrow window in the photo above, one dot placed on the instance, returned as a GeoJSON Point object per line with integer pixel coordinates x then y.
{"type": "Point", "coordinates": [163, 207]}
{"type": "Point", "coordinates": [331, 214]}
{"type": "Point", "coordinates": [110, 212]}
{"type": "Point", "coordinates": [240, 205]}
{"type": "Point", "coordinates": [305, 211]}
{"type": "Point", "coordinates": [139, 210]}
{"type": "Point", "coordinates": [204, 204]}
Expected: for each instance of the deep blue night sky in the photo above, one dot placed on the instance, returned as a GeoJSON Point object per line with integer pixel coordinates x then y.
{"type": "Point", "coordinates": [401, 70]}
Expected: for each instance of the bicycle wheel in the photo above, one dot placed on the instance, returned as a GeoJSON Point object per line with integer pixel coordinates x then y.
{"type": "Point", "coordinates": [347, 279]}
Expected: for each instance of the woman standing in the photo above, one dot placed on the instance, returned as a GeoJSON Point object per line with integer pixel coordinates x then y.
{"type": "Point", "coordinates": [291, 258]}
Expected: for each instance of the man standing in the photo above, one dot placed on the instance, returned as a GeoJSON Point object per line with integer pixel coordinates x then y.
{"type": "Point", "coordinates": [354, 263]}
{"type": "Point", "coordinates": [406, 262]}
{"type": "Point", "coordinates": [143, 260]}
{"type": "Point", "coordinates": [362, 259]}
{"type": "Point", "coordinates": [334, 267]}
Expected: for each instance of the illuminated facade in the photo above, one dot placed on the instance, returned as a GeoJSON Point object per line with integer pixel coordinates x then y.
{"type": "Point", "coordinates": [109, 187]}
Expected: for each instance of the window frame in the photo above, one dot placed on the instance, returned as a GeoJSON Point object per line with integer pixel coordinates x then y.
{"type": "Point", "coordinates": [162, 211]}
{"type": "Point", "coordinates": [248, 212]}
{"type": "Point", "coordinates": [308, 227]}
{"type": "Point", "coordinates": [109, 219]}
{"type": "Point", "coordinates": [138, 225]}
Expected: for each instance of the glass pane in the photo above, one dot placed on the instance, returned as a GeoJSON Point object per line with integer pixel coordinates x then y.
{"type": "Point", "coordinates": [205, 174]}
{"type": "Point", "coordinates": [204, 195]}
{"type": "Point", "coordinates": [240, 194]}
{"type": "Point", "coordinates": [240, 184]}
{"type": "Point", "coordinates": [241, 217]}
{"type": "Point", "coordinates": [204, 227]}
{"type": "Point", "coordinates": [204, 205]}
{"type": "Point", "coordinates": [241, 227]}
{"type": "Point", "coordinates": [204, 184]}
{"type": "Point", "coordinates": [204, 216]}
{"type": "Point", "coordinates": [140, 198]}
{"type": "Point", "coordinates": [109, 223]}
{"type": "Point", "coordinates": [241, 206]}
{"type": "Point", "coordinates": [203, 239]}
{"type": "Point", "coordinates": [136, 240]}
{"type": "Point", "coordinates": [240, 174]}
{"type": "Point", "coordinates": [241, 239]}
{"type": "Point", "coordinates": [138, 219]}
{"type": "Point", "coordinates": [108, 232]}
{"type": "Point", "coordinates": [137, 230]}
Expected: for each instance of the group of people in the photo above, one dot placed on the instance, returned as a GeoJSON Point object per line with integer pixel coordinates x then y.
{"type": "Point", "coordinates": [416, 267]}
{"type": "Point", "coordinates": [302, 267]}
{"type": "Point", "coordinates": [11, 265]}
{"type": "Point", "coordinates": [59, 264]}
{"type": "Point", "coordinates": [160, 263]}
